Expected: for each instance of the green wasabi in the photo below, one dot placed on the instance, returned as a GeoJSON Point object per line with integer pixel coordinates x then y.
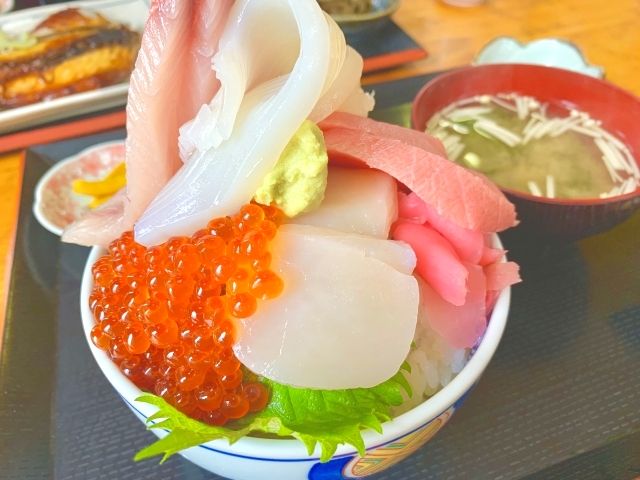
{"type": "Point", "coordinates": [298, 181]}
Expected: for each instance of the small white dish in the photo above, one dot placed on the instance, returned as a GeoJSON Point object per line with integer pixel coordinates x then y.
{"type": "Point", "coordinates": [132, 13]}
{"type": "Point", "coordinates": [550, 52]}
{"type": "Point", "coordinates": [55, 205]}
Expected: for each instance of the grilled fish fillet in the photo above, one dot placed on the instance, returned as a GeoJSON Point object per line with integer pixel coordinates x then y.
{"type": "Point", "coordinates": [73, 52]}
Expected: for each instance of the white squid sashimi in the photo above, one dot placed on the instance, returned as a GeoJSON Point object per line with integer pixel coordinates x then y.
{"type": "Point", "coordinates": [361, 201]}
{"type": "Point", "coordinates": [346, 321]}
{"type": "Point", "coordinates": [215, 121]}
{"type": "Point", "coordinates": [345, 93]}
{"type": "Point", "coordinates": [220, 180]}
{"type": "Point", "coordinates": [239, 70]}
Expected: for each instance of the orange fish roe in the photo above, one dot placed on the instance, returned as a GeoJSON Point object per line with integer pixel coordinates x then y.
{"type": "Point", "coordinates": [166, 314]}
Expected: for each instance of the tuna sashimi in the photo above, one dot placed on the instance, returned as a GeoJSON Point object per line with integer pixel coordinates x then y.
{"type": "Point", "coordinates": [468, 244]}
{"type": "Point", "coordinates": [437, 262]}
{"type": "Point", "coordinates": [356, 201]}
{"type": "Point", "coordinates": [218, 181]}
{"type": "Point", "coordinates": [463, 197]}
{"type": "Point", "coordinates": [423, 140]}
{"type": "Point", "coordinates": [171, 54]}
{"type": "Point", "coordinates": [345, 322]}
{"type": "Point", "coordinates": [461, 325]}
{"type": "Point", "coordinates": [501, 275]}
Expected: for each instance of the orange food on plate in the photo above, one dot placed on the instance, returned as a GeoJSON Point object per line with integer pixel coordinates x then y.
{"type": "Point", "coordinates": [70, 51]}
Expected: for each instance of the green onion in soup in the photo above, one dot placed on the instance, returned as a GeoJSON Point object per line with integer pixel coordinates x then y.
{"type": "Point", "coordinates": [520, 145]}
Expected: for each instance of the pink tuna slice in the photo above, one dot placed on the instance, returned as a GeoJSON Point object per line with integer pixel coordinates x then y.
{"type": "Point", "coordinates": [172, 78]}
{"type": "Point", "coordinates": [459, 195]}
{"type": "Point", "coordinates": [437, 262]}
{"type": "Point", "coordinates": [468, 244]}
{"type": "Point", "coordinates": [461, 325]}
{"type": "Point", "coordinates": [501, 275]}
{"type": "Point", "coordinates": [382, 129]}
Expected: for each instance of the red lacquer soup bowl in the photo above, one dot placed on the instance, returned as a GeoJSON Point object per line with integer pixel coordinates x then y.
{"type": "Point", "coordinates": [618, 110]}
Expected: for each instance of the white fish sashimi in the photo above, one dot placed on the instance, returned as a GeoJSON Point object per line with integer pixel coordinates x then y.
{"type": "Point", "coordinates": [345, 322]}
{"type": "Point", "coordinates": [177, 44]}
{"type": "Point", "coordinates": [356, 200]}
{"type": "Point", "coordinates": [398, 255]}
{"type": "Point", "coordinates": [220, 180]}
{"type": "Point", "coordinates": [209, 24]}
{"type": "Point", "coordinates": [162, 95]}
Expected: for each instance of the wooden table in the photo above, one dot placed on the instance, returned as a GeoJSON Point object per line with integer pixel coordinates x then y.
{"type": "Point", "coordinates": [605, 30]}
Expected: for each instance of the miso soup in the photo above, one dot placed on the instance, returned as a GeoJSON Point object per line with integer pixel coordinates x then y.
{"type": "Point", "coordinates": [520, 145]}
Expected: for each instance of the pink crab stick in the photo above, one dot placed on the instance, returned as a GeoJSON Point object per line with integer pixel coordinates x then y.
{"type": "Point", "coordinates": [468, 244]}
{"type": "Point", "coordinates": [437, 262]}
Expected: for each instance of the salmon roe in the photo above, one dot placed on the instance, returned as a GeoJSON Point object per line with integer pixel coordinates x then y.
{"type": "Point", "coordinates": [166, 314]}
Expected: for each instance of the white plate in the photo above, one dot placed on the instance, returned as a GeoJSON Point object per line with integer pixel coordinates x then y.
{"type": "Point", "coordinates": [132, 13]}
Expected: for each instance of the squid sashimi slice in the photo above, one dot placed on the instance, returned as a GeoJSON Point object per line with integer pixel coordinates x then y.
{"type": "Point", "coordinates": [437, 262]}
{"type": "Point", "coordinates": [218, 181]}
{"type": "Point", "coordinates": [243, 61]}
{"type": "Point", "coordinates": [344, 319]}
{"type": "Point", "coordinates": [358, 200]}
{"type": "Point", "coordinates": [501, 275]}
{"type": "Point", "coordinates": [343, 119]}
{"type": "Point", "coordinates": [461, 325]}
{"type": "Point", "coordinates": [162, 95]}
{"type": "Point", "coordinates": [215, 121]}
{"type": "Point", "coordinates": [395, 253]}
{"type": "Point", "coordinates": [345, 91]}
{"type": "Point", "coordinates": [468, 244]}
{"type": "Point", "coordinates": [467, 199]}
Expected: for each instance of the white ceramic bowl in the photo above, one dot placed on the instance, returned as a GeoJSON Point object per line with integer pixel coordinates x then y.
{"type": "Point", "coordinates": [283, 459]}
{"type": "Point", "coordinates": [550, 52]}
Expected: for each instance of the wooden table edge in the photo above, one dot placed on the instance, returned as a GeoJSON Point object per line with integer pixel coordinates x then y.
{"type": "Point", "coordinates": [8, 259]}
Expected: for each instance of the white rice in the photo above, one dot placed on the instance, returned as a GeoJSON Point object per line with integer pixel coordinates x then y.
{"type": "Point", "coordinates": [433, 365]}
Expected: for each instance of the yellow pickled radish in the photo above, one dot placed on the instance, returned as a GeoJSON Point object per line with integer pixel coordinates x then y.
{"type": "Point", "coordinates": [103, 189]}
{"type": "Point", "coordinates": [108, 185]}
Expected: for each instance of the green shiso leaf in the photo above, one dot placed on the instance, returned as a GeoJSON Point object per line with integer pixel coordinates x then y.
{"type": "Point", "coordinates": [327, 418]}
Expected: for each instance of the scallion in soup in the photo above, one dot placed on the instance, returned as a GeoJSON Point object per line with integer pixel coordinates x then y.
{"type": "Point", "coordinates": [515, 141]}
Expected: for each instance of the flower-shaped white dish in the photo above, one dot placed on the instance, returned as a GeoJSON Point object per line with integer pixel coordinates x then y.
{"type": "Point", "coordinates": [55, 205]}
{"type": "Point", "coordinates": [550, 52]}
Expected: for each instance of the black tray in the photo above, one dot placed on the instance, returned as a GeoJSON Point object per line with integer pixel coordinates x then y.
{"type": "Point", "coordinates": [560, 399]}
